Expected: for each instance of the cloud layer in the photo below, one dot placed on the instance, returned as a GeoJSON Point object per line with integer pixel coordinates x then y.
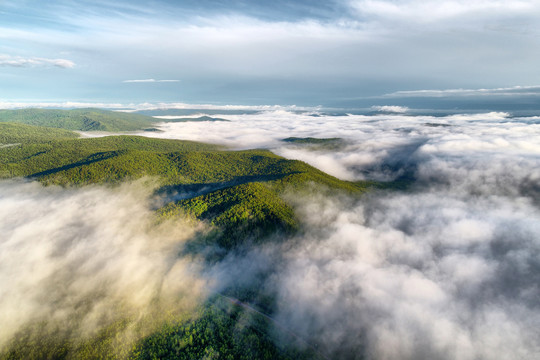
{"type": "Point", "coordinates": [384, 147]}
{"type": "Point", "coordinates": [419, 12]}
{"type": "Point", "coordinates": [18, 61]}
{"type": "Point", "coordinates": [508, 91]}
{"type": "Point", "coordinates": [415, 276]}
{"type": "Point", "coordinates": [150, 81]}
{"type": "Point", "coordinates": [448, 269]}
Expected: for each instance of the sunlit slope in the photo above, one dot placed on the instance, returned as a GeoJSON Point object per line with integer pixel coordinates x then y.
{"type": "Point", "coordinates": [114, 158]}
{"type": "Point", "coordinates": [78, 119]}
{"type": "Point", "coordinates": [239, 192]}
{"type": "Point", "coordinates": [92, 160]}
{"type": "Point", "coordinates": [11, 134]}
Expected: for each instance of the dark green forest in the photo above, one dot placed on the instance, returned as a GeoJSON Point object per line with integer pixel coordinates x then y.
{"type": "Point", "coordinates": [317, 143]}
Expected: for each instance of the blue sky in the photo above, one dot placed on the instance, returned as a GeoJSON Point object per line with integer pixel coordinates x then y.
{"type": "Point", "coordinates": [340, 52]}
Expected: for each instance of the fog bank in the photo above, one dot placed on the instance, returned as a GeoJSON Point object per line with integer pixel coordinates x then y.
{"type": "Point", "coordinates": [384, 147]}
{"type": "Point", "coordinates": [415, 276]}
{"type": "Point", "coordinates": [448, 269]}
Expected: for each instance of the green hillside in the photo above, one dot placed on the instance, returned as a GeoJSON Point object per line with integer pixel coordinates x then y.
{"type": "Point", "coordinates": [78, 119]}
{"type": "Point", "coordinates": [312, 140]}
{"type": "Point", "coordinates": [317, 143]}
{"type": "Point", "coordinates": [94, 160]}
{"type": "Point", "coordinates": [237, 191]}
{"type": "Point", "coordinates": [20, 133]}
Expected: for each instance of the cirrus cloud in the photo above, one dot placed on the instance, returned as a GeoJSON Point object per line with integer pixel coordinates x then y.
{"type": "Point", "coordinates": [19, 61]}
{"type": "Point", "coordinates": [390, 108]}
{"type": "Point", "coordinates": [149, 81]}
{"type": "Point", "coordinates": [425, 12]}
{"type": "Point", "coordinates": [533, 90]}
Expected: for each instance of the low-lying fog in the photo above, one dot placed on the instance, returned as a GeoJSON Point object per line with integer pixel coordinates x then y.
{"type": "Point", "coordinates": [447, 269]}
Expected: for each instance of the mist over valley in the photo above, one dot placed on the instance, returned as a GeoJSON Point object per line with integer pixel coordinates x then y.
{"type": "Point", "coordinates": [421, 244]}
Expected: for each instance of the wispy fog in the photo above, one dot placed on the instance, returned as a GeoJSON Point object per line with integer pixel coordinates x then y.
{"type": "Point", "coordinates": [416, 276]}
{"type": "Point", "coordinates": [79, 260]}
{"type": "Point", "coordinates": [385, 147]}
{"type": "Point", "coordinates": [449, 269]}
{"type": "Point", "coordinates": [434, 275]}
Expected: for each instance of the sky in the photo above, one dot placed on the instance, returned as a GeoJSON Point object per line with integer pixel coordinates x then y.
{"type": "Point", "coordinates": [351, 53]}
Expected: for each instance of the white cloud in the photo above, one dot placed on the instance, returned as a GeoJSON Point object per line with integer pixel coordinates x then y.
{"type": "Point", "coordinates": [150, 81]}
{"type": "Point", "coordinates": [18, 61]}
{"type": "Point", "coordinates": [432, 11]}
{"type": "Point", "coordinates": [385, 146]}
{"type": "Point", "coordinates": [471, 45]}
{"type": "Point", "coordinates": [414, 276]}
{"type": "Point", "coordinates": [436, 274]}
{"type": "Point", "coordinates": [504, 91]}
{"type": "Point", "coordinates": [391, 108]}
{"type": "Point", "coordinates": [130, 107]}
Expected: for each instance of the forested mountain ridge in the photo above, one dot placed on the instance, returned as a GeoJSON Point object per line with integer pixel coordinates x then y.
{"type": "Point", "coordinates": [79, 119]}
{"type": "Point", "coordinates": [237, 191]}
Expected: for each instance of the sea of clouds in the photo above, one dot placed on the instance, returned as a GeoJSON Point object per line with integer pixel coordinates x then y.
{"type": "Point", "coordinates": [448, 269]}
{"type": "Point", "coordinates": [376, 147]}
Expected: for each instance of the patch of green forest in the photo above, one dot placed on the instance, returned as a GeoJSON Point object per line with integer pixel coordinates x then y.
{"type": "Point", "coordinates": [317, 143]}
{"type": "Point", "coordinates": [311, 140]}
{"type": "Point", "coordinates": [224, 329]}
